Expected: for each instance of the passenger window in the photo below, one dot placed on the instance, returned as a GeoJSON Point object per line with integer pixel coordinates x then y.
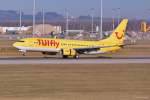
{"type": "Point", "coordinates": [35, 42]}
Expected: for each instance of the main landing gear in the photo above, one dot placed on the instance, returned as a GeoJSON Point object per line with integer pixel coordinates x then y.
{"type": "Point", "coordinates": [69, 53]}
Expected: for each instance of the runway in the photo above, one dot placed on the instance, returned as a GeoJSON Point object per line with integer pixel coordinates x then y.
{"type": "Point", "coordinates": [102, 60]}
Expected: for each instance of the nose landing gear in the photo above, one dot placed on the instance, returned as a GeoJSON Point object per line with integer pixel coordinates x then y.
{"type": "Point", "coordinates": [23, 52]}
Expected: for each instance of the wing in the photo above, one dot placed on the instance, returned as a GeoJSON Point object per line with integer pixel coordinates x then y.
{"type": "Point", "coordinates": [83, 50]}
{"type": "Point", "coordinates": [90, 49]}
{"type": "Point", "coordinates": [125, 45]}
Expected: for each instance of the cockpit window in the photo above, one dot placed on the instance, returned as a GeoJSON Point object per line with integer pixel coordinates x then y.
{"type": "Point", "coordinates": [21, 41]}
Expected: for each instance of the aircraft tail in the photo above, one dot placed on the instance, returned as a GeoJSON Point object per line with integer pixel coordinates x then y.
{"type": "Point", "coordinates": [118, 35]}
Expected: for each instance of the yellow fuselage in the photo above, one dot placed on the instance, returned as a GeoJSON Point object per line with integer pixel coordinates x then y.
{"type": "Point", "coordinates": [64, 44]}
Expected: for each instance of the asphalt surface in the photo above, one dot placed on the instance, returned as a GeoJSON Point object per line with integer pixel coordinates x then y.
{"type": "Point", "coordinates": [102, 60]}
{"type": "Point", "coordinates": [87, 78]}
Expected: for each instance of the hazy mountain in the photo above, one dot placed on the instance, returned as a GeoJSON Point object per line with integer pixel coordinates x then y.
{"type": "Point", "coordinates": [10, 15]}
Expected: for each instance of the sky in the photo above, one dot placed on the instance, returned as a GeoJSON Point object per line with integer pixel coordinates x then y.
{"type": "Point", "coordinates": [139, 9]}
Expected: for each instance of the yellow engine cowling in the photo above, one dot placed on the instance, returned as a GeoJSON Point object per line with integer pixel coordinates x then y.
{"type": "Point", "coordinates": [69, 52]}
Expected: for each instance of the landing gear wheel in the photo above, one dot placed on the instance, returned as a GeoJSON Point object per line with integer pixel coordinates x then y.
{"type": "Point", "coordinates": [44, 54]}
{"type": "Point", "coordinates": [65, 57]}
{"type": "Point", "coordinates": [24, 54]}
{"type": "Point", "coordinates": [76, 56]}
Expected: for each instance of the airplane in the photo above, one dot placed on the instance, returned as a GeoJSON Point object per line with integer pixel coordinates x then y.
{"type": "Point", "coordinates": [74, 48]}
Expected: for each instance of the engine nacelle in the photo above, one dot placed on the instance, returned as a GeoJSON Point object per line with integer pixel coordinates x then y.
{"type": "Point", "coordinates": [69, 52]}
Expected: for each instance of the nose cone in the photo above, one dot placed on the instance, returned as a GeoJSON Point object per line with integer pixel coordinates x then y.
{"type": "Point", "coordinates": [15, 44]}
